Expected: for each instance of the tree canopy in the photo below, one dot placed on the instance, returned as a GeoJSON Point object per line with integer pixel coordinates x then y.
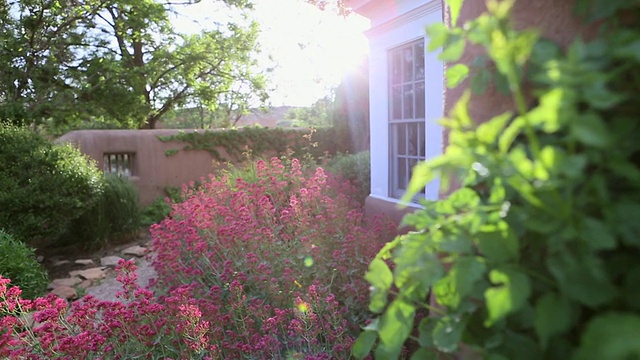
{"type": "Point", "coordinates": [118, 63]}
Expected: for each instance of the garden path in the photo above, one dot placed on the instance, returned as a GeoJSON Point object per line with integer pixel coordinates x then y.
{"type": "Point", "coordinates": [74, 275]}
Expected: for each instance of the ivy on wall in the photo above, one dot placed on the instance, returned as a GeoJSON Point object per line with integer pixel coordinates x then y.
{"type": "Point", "coordinates": [238, 144]}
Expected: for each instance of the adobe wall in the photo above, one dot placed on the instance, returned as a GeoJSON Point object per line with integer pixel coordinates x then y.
{"type": "Point", "coordinates": [152, 170]}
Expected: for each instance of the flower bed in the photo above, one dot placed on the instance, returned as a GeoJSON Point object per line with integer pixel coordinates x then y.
{"type": "Point", "coordinates": [271, 268]}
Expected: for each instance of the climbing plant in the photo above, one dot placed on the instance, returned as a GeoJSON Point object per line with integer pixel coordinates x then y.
{"type": "Point", "coordinates": [258, 141]}
{"type": "Point", "coordinates": [536, 255]}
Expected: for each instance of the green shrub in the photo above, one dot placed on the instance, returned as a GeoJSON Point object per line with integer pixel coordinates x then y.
{"type": "Point", "coordinates": [18, 263]}
{"type": "Point", "coordinates": [116, 214]}
{"type": "Point", "coordinates": [43, 187]}
{"type": "Point", "coordinates": [155, 212]}
{"type": "Point", "coordinates": [537, 254]}
{"type": "Point", "coordinates": [356, 168]}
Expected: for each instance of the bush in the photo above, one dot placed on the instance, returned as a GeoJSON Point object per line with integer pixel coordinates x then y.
{"type": "Point", "coordinates": [18, 263]}
{"type": "Point", "coordinates": [356, 168]}
{"type": "Point", "coordinates": [268, 270]}
{"type": "Point", "coordinates": [537, 254]}
{"type": "Point", "coordinates": [115, 214]}
{"type": "Point", "coordinates": [156, 211]}
{"type": "Point", "coordinates": [276, 264]}
{"type": "Point", "coordinates": [43, 187]}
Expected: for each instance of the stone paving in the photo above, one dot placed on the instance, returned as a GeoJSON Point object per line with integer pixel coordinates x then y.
{"type": "Point", "coordinates": [100, 281]}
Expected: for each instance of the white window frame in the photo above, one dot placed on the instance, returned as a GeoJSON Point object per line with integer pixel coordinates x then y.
{"type": "Point", "coordinates": [407, 143]}
{"type": "Point", "coordinates": [404, 29]}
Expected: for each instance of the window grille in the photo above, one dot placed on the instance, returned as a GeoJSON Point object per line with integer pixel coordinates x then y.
{"type": "Point", "coordinates": [120, 164]}
{"type": "Point", "coordinates": [406, 113]}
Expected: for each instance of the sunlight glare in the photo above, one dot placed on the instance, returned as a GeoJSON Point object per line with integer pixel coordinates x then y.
{"type": "Point", "coordinates": [312, 49]}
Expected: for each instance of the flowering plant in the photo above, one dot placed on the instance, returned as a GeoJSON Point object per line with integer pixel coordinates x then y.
{"type": "Point", "coordinates": [282, 242]}
{"type": "Point", "coordinates": [267, 269]}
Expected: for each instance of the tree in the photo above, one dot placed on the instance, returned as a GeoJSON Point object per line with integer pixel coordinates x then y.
{"type": "Point", "coordinates": [117, 61]}
{"type": "Point", "coordinates": [321, 113]}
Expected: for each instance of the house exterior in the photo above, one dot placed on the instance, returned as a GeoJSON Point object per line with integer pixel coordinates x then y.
{"type": "Point", "coordinates": [407, 95]}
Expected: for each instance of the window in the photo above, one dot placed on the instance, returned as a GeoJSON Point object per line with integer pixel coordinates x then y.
{"type": "Point", "coordinates": [406, 113]}
{"type": "Point", "coordinates": [120, 164]}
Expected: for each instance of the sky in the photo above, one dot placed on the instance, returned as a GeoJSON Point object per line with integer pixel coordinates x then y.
{"type": "Point", "coordinates": [312, 49]}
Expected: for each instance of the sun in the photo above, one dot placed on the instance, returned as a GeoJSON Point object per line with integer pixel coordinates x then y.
{"type": "Point", "coordinates": [310, 50]}
{"type": "Point", "coordinates": [314, 49]}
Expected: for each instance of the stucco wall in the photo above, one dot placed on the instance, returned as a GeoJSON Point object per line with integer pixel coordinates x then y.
{"type": "Point", "coordinates": [153, 171]}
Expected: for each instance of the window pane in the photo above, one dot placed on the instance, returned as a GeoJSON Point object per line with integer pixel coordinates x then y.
{"type": "Point", "coordinates": [408, 102]}
{"type": "Point", "coordinates": [421, 134]}
{"type": "Point", "coordinates": [407, 68]}
{"type": "Point", "coordinates": [419, 62]}
{"type": "Point", "coordinates": [401, 139]}
{"type": "Point", "coordinates": [420, 100]}
{"type": "Point", "coordinates": [396, 103]}
{"type": "Point", "coordinates": [396, 66]}
{"type": "Point", "coordinates": [402, 173]}
{"type": "Point", "coordinates": [113, 160]}
{"type": "Point", "coordinates": [412, 164]}
{"type": "Point", "coordinates": [412, 129]}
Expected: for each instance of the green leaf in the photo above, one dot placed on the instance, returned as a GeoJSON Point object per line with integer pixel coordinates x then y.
{"type": "Point", "coordinates": [630, 51]}
{"type": "Point", "coordinates": [599, 97]}
{"type": "Point", "coordinates": [456, 74]}
{"type": "Point", "coordinates": [380, 278]}
{"type": "Point", "coordinates": [422, 174]}
{"type": "Point", "coordinates": [573, 166]}
{"type": "Point", "coordinates": [591, 130]}
{"type": "Point", "coordinates": [454, 10]}
{"type": "Point", "coordinates": [424, 354]}
{"type": "Point", "coordinates": [513, 130]}
{"type": "Point", "coordinates": [480, 82]}
{"type": "Point", "coordinates": [447, 333]}
{"type": "Point", "coordinates": [509, 296]}
{"type": "Point", "coordinates": [489, 131]}
{"type": "Point", "coordinates": [385, 352]}
{"type": "Point", "coordinates": [459, 281]}
{"type": "Point", "coordinates": [502, 83]}
{"type": "Point", "coordinates": [499, 246]}
{"type": "Point", "coordinates": [582, 278]}
{"type": "Point", "coordinates": [425, 328]}
{"type": "Point", "coordinates": [417, 268]}
{"type": "Point", "coordinates": [453, 50]}
{"type": "Point", "coordinates": [597, 235]}
{"type": "Point", "coordinates": [396, 324]}
{"type": "Point", "coordinates": [544, 50]}
{"type": "Point", "coordinates": [552, 317]}
{"type": "Point", "coordinates": [438, 34]}
{"type": "Point", "coordinates": [611, 336]}
{"type": "Point", "coordinates": [627, 225]}
{"type": "Point", "coordinates": [364, 343]}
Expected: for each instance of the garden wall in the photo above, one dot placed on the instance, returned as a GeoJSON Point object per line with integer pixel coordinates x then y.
{"type": "Point", "coordinates": [156, 159]}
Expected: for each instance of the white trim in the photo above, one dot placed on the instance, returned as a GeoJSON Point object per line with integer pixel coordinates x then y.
{"type": "Point", "coordinates": [406, 18]}
{"type": "Point", "coordinates": [396, 201]}
{"type": "Point", "coordinates": [380, 42]}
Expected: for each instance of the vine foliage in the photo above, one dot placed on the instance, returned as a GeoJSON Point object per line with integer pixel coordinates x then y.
{"type": "Point", "coordinates": [301, 143]}
{"type": "Point", "coordinates": [536, 255]}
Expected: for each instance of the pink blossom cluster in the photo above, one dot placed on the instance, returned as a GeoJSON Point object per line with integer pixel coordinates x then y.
{"type": "Point", "coordinates": [266, 246]}
{"type": "Point", "coordinates": [266, 269]}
